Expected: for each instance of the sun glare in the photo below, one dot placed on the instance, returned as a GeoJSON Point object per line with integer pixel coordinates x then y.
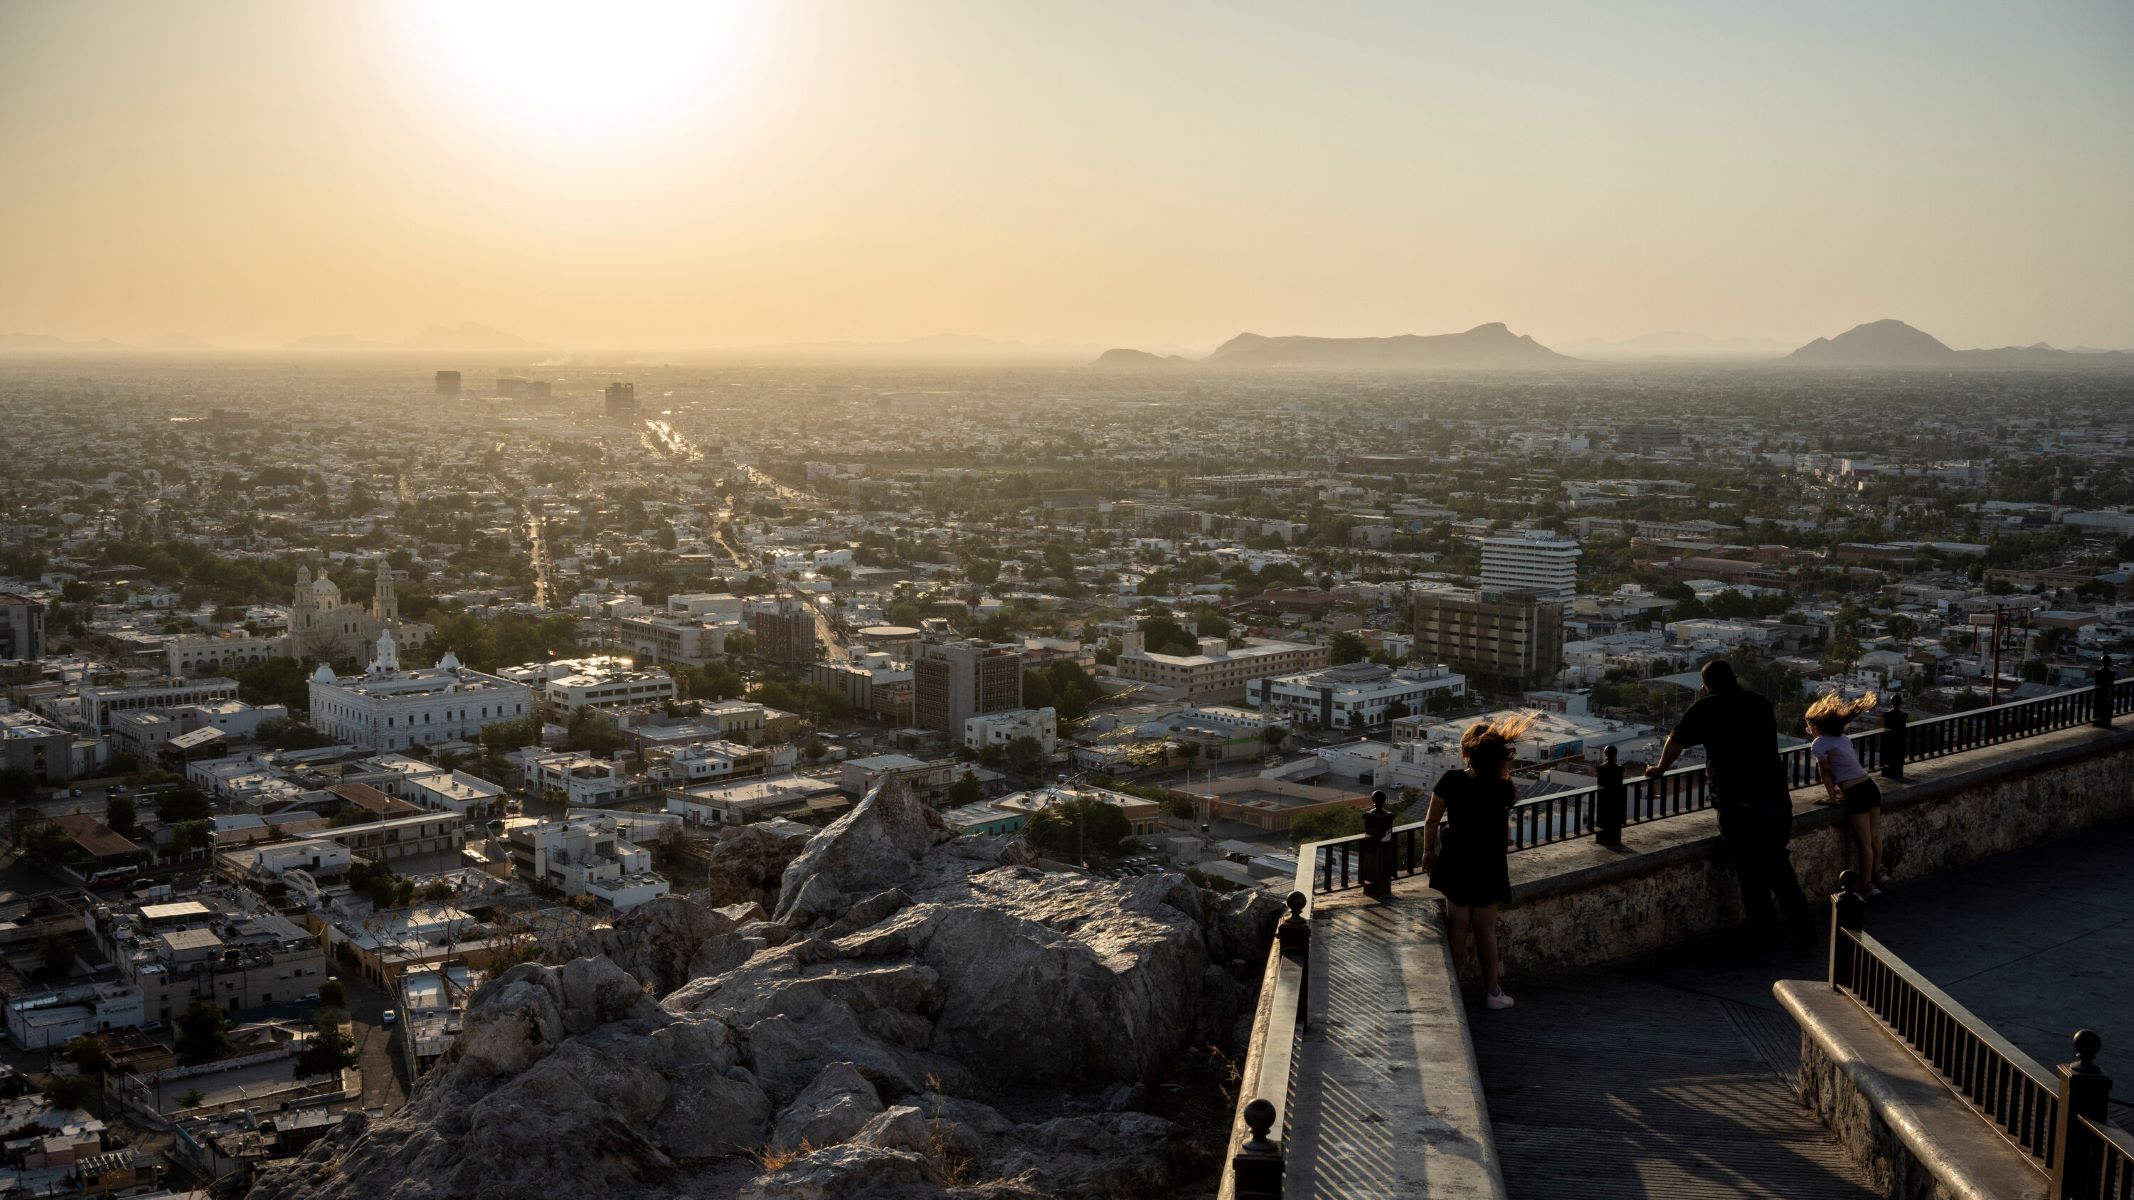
{"type": "Point", "coordinates": [585, 65]}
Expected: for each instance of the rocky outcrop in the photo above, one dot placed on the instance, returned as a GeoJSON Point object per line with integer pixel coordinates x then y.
{"type": "Point", "coordinates": [923, 1012]}
{"type": "Point", "coordinates": [747, 864]}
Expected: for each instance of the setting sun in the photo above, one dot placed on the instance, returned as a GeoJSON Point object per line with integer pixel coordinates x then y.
{"type": "Point", "coordinates": [564, 65]}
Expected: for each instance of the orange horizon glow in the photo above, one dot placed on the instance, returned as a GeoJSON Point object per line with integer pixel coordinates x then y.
{"type": "Point", "coordinates": [662, 174]}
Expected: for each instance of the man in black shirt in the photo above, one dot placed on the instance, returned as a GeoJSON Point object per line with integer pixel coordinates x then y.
{"type": "Point", "coordinates": [1740, 739]}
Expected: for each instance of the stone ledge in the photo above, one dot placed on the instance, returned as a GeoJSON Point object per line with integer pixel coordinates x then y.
{"type": "Point", "coordinates": [1915, 1138]}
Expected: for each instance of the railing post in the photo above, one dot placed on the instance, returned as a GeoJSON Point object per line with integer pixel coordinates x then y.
{"type": "Point", "coordinates": [1294, 934]}
{"type": "Point", "coordinates": [1893, 723]}
{"type": "Point", "coordinates": [1377, 864]}
{"type": "Point", "coordinates": [2085, 1091]}
{"type": "Point", "coordinates": [2101, 699]}
{"type": "Point", "coordinates": [1611, 801]}
{"type": "Point", "coordinates": [1257, 1166]}
{"type": "Point", "coordinates": [1848, 913]}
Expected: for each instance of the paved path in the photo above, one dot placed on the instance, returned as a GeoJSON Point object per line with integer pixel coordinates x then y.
{"type": "Point", "coordinates": [1380, 1110]}
{"type": "Point", "coordinates": [1670, 1076]}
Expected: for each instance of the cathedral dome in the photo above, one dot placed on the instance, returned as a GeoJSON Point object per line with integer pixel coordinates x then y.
{"type": "Point", "coordinates": [323, 675]}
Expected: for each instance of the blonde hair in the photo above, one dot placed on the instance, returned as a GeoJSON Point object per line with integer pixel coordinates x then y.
{"type": "Point", "coordinates": [1831, 711]}
{"type": "Point", "coordinates": [1487, 745]}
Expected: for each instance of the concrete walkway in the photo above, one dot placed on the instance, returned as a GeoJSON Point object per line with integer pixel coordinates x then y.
{"type": "Point", "coordinates": [1671, 1076]}
{"type": "Point", "coordinates": [1385, 1105]}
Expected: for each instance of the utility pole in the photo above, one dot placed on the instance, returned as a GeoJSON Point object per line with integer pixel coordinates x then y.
{"type": "Point", "coordinates": [2000, 617]}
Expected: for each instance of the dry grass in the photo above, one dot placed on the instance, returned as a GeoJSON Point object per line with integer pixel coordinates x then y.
{"type": "Point", "coordinates": [770, 1158]}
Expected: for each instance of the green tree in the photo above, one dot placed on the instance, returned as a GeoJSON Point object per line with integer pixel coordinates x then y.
{"type": "Point", "coordinates": [1079, 830]}
{"type": "Point", "coordinates": [966, 790]}
{"type": "Point", "coordinates": [328, 1051]}
{"type": "Point", "coordinates": [203, 1032]}
{"type": "Point", "coordinates": [1348, 647]}
{"type": "Point", "coordinates": [184, 802]}
{"type": "Point", "coordinates": [192, 837]}
{"type": "Point", "coordinates": [68, 1091]}
{"type": "Point", "coordinates": [90, 1054]}
{"type": "Point", "coordinates": [120, 815]}
{"type": "Point", "coordinates": [1025, 754]}
{"type": "Point", "coordinates": [590, 730]}
{"type": "Point", "coordinates": [333, 994]}
{"type": "Point", "coordinates": [1321, 826]}
{"type": "Point", "coordinates": [55, 954]}
{"type": "Point", "coordinates": [192, 1098]}
{"type": "Point", "coordinates": [1162, 634]}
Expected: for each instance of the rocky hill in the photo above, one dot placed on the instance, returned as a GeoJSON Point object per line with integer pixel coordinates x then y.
{"type": "Point", "coordinates": [1123, 357]}
{"type": "Point", "coordinates": [1485, 347]}
{"type": "Point", "coordinates": [1896, 344]}
{"type": "Point", "coordinates": [916, 1017]}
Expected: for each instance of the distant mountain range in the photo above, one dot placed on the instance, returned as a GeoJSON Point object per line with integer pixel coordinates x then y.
{"type": "Point", "coordinates": [1483, 348]}
{"type": "Point", "coordinates": [1895, 344]}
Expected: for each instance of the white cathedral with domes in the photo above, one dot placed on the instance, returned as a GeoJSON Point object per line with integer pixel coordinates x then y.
{"type": "Point", "coordinates": [323, 626]}
{"type": "Point", "coordinates": [388, 707]}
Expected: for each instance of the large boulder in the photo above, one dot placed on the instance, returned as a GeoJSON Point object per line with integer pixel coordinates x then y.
{"type": "Point", "coordinates": [875, 847]}
{"type": "Point", "coordinates": [838, 1104]}
{"type": "Point", "coordinates": [657, 941]}
{"type": "Point", "coordinates": [747, 864]}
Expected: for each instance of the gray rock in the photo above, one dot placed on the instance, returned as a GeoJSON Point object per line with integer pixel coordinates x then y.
{"type": "Point", "coordinates": [657, 941]}
{"type": "Point", "coordinates": [513, 1027]}
{"type": "Point", "coordinates": [850, 1173]}
{"type": "Point", "coordinates": [872, 911]}
{"type": "Point", "coordinates": [710, 1116]}
{"type": "Point", "coordinates": [690, 1047]}
{"type": "Point", "coordinates": [838, 1104]}
{"type": "Point", "coordinates": [1122, 1154]}
{"type": "Point", "coordinates": [875, 847]}
{"type": "Point", "coordinates": [596, 991]}
{"type": "Point", "coordinates": [747, 864]}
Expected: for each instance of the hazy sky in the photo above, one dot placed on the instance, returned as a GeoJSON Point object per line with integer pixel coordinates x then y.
{"type": "Point", "coordinates": [1156, 174]}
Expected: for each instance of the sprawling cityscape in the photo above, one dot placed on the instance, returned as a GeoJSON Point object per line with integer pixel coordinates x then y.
{"type": "Point", "coordinates": [359, 681]}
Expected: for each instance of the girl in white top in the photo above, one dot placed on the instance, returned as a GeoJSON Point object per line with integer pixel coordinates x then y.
{"type": "Point", "coordinates": [1847, 781]}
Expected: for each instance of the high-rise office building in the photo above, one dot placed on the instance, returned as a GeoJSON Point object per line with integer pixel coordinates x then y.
{"type": "Point", "coordinates": [1506, 639]}
{"type": "Point", "coordinates": [448, 384]}
{"type": "Point", "coordinates": [784, 631]}
{"type": "Point", "coordinates": [21, 627]}
{"type": "Point", "coordinates": [951, 682]}
{"type": "Point", "coordinates": [510, 387]}
{"type": "Point", "coordinates": [622, 404]}
{"type": "Point", "coordinates": [1535, 561]}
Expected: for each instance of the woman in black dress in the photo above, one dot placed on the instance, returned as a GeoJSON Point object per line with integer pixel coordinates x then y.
{"type": "Point", "coordinates": [1467, 863]}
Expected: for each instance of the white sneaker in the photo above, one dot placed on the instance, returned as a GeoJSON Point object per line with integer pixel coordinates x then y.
{"type": "Point", "coordinates": [1497, 1000]}
{"type": "Point", "coordinates": [1873, 892]}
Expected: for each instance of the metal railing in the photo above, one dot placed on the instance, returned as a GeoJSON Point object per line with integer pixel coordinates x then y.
{"type": "Point", "coordinates": [2057, 1119]}
{"type": "Point", "coordinates": [1604, 809]}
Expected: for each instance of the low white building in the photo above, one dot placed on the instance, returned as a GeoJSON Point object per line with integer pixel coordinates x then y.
{"type": "Point", "coordinates": [1001, 728]}
{"type": "Point", "coordinates": [700, 761]}
{"type": "Point", "coordinates": [455, 792]}
{"type": "Point", "coordinates": [1360, 695]}
{"type": "Point", "coordinates": [233, 717]}
{"type": "Point", "coordinates": [386, 708]}
{"type": "Point", "coordinates": [584, 856]}
{"type": "Point", "coordinates": [44, 1020]}
{"type": "Point", "coordinates": [584, 781]}
{"type": "Point", "coordinates": [603, 681]}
